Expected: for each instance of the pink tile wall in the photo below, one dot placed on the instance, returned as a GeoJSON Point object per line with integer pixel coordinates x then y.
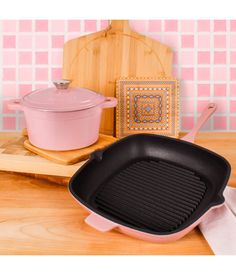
{"type": "Point", "coordinates": [204, 60]}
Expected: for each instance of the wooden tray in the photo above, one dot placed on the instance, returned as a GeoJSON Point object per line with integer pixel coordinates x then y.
{"type": "Point", "coordinates": [15, 158]}
{"type": "Point", "coordinates": [73, 156]}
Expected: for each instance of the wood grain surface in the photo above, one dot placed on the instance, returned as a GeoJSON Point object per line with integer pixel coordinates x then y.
{"type": "Point", "coordinates": [97, 60]}
{"type": "Point", "coordinates": [15, 157]}
{"type": "Point", "coordinates": [72, 156]}
{"type": "Point", "coordinates": [41, 217]}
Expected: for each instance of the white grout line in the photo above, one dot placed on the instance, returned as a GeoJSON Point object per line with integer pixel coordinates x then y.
{"type": "Point", "coordinates": [1, 75]}
{"type": "Point", "coordinates": [179, 53]}
{"type": "Point", "coordinates": [17, 73]}
{"type": "Point", "coordinates": [228, 74]}
{"type": "Point", "coordinates": [212, 49]}
{"type": "Point", "coordinates": [195, 69]}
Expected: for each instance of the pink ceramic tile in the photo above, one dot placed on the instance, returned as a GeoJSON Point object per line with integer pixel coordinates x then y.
{"type": "Point", "coordinates": [25, 74]}
{"type": "Point", "coordinates": [204, 57]}
{"type": "Point", "coordinates": [204, 90]}
{"type": "Point", "coordinates": [219, 41]}
{"type": "Point", "coordinates": [9, 41]}
{"type": "Point", "coordinates": [9, 58]}
{"type": "Point", "coordinates": [187, 123]}
{"type": "Point", "coordinates": [57, 41]}
{"type": "Point", "coordinates": [201, 105]}
{"type": "Point", "coordinates": [41, 25]}
{"type": "Point", "coordinates": [104, 24]}
{"type": "Point", "coordinates": [9, 74]}
{"type": "Point", "coordinates": [187, 89]}
{"type": "Point", "coordinates": [90, 25]}
{"type": "Point", "coordinates": [25, 25]}
{"type": "Point", "coordinates": [232, 123]}
{"type": "Point", "coordinates": [187, 74]}
{"type": "Point", "coordinates": [233, 25]}
{"type": "Point", "coordinates": [232, 57]}
{"type": "Point", "coordinates": [9, 25]}
{"type": "Point", "coordinates": [203, 25]}
{"type": "Point", "coordinates": [220, 89]}
{"type": "Point", "coordinates": [24, 89]}
{"type": "Point", "coordinates": [70, 36]}
{"type": "Point", "coordinates": [187, 25]}
{"type": "Point", "coordinates": [175, 58]}
{"type": "Point", "coordinates": [187, 106]}
{"type": "Point", "coordinates": [56, 73]}
{"type": "Point", "coordinates": [25, 41]}
{"type": "Point", "coordinates": [232, 73]}
{"type": "Point", "coordinates": [56, 57]}
{"type": "Point", "coordinates": [138, 25]}
{"type": "Point", "coordinates": [9, 90]}
{"type": "Point", "coordinates": [204, 41]}
{"type": "Point", "coordinates": [233, 41]}
{"type": "Point", "coordinates": [222, 106]}
{"type": "Point", "coordinates": [171, 25]}
{"type": "Point", "coordinates": [171, 40]}
{"type": "Point", "coordinates": [25, 57]}
{"type": "Point", "coordinates": [219, 25]}
{"type": "Point", "coordinates": [187, 41]}
{"type": "Point", "coordinates": [220, 123]}
{"type": "Point", "coordinates": [41, 58]}
{"type": "Point", "coordinates": [220, 73]}
{"type": "Point", "coordinates": [233, 89]}
{"type": "Point", "coordinates": [233, 106]}
{"type": "Point", "coordinates": [41, 41]}
{"type": "Point", "coordinates": [203, 73]}
{"type": "Point", "coordinates": [187, 57]}
{"type": "Point", "coordinates": [58, 25]}
{"type": "Point", "coordinates": [154, 26]}
{"type": "Point", "coordinates": [22, 122]}
{"type": "Point", "coordinates": [5, 109]}
{"type": "Point", "coordinates": [74, 25]}
{"type": "Point", "coordinates": [155, 37]}
{"type": "Point", "coordinates": [41, 74]}
{"type": "Point", "coordinates": [9, 123]}
{"type": "Point", "coordinates": [220, 57]}
{"type": "Point", "coordinates": [175, 72]}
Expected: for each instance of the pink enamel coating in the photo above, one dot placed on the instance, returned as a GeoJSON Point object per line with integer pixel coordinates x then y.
{"type": "Point", "coordinates": [207, 112]}
{"type": "Point", "coordinates": [65, 130]}
{"type": "Point", "coordinates": [102, 224]}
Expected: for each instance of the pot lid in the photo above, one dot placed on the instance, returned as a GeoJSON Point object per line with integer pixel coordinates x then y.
{"type": "Point", "coordinates": [62, 98]}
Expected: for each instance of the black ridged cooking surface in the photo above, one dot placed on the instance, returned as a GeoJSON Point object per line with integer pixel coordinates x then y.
{"type": "Point", "coordinates": [153, 195]}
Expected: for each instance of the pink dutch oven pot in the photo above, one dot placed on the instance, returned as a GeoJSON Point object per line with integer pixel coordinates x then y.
{"type": "Point", "coordinates": [62, 118]}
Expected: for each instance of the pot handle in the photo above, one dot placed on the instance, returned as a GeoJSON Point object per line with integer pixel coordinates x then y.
{"type": "Point", "coordinates": [99, 223]}
{"type": "Point", "coordinates": [207, 112]}
{"type": "Point", "coordinates": [109, 102]}
{"type": "Point", "coordinates": [14, 104]}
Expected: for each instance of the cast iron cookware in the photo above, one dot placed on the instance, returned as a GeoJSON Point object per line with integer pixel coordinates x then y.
{"type": "Point", "coordinates": [152, 187]}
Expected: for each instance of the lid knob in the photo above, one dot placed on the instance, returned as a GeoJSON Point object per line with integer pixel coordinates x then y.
{"type": "Point", "coordinates": [62, 84]}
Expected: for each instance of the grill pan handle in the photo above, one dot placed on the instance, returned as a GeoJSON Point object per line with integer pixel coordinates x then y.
{"type": "Point", "coordinates": [99, 223]}
{"type": "Point", "coordinates": [207, 112]}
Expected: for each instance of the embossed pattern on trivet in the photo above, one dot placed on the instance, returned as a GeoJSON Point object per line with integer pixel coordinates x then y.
{"type": "Point", "coordinates": [147, 105]}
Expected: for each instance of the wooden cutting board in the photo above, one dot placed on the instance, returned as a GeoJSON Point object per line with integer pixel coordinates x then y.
{"type": "Point", "coordinates": [97, 60]}
{"type": "Point", "coordinates": [14, 157]}
{"type": "Point", "coordinates": [73, 156]}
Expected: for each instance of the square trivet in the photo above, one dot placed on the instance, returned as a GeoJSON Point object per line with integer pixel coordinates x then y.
{"type": "Point", "coordinates": [147, 105]}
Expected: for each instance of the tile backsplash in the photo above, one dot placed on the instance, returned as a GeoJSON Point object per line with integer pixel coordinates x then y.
{"type": "Point", "coordinates": [204, 60]}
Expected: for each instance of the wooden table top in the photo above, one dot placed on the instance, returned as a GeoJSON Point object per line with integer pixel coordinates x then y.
{"type": "Point", "coordinates": [40, 217]}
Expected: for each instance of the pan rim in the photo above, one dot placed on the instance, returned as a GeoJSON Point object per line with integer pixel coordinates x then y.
{"type": "Point", "coordinates": [219, 201]}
